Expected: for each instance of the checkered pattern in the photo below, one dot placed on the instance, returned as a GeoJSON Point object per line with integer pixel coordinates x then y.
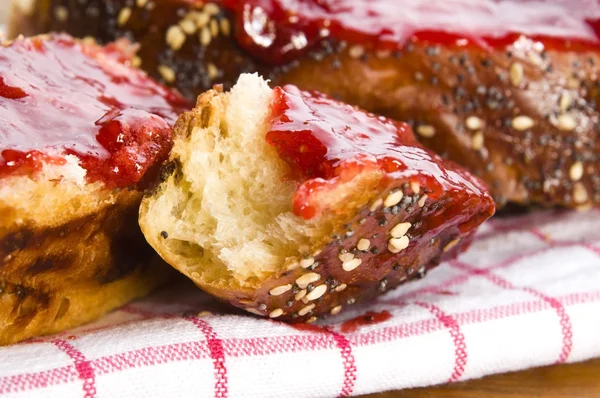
{"type": "Point", "coordinates": [526, 293]}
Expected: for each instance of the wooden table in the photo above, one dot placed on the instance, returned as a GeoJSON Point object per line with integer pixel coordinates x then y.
{"type": "Point", "coordinates": [565, 381]}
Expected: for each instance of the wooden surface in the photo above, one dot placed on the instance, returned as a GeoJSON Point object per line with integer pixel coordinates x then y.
{"type": "Point", "coordinates": [579, 380]}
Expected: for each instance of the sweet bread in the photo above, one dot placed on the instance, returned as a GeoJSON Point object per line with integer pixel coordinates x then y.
{"type": "Point", "coordinates": [81, 132]}
{"type": "Point", "coordinates": [508, 89]}
{"type": "Point", "coordinates": [292, 205]}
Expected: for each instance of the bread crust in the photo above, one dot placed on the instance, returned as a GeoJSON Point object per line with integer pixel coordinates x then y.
{"type": "Point", "coordinates": [64, 264]}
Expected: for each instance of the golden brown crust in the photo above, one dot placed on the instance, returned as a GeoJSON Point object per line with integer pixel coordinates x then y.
{"type": "Point", "coordinates": [68, 255]}
{"type": "Point", "coordinates": [428, 85]}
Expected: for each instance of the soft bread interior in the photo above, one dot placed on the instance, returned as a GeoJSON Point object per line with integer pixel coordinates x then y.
{"type": "Point", "coordinates": [227, 209]}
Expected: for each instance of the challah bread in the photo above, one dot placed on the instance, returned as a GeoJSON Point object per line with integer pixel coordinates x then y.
{"type": "Point", "coordinates": [292, 205]}
{"type": "Point", "coordinates": [508, 89]}
{"type": "Point", "coordinates": [81, 131]}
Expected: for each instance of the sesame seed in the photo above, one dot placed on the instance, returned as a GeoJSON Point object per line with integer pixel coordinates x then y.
{"type": "Point", "coordinates": [415, 187]}
{"type": "Point", "coordinates": [188, 26]}
{"type": "Point", "coordinates": [363, 244]}
{"type": "Point", "coordinates": [300, 295]}
{"type": "Point", "coordinates": [522, 123]}
{"type": "Point", "coordinates": [451, 244]}
{"type": "Point", "coordinates": [566, 122]}
{"type": "Point", "coordinates": [317, 292]}
{"type": "Point", "coordinates": [336, 310]}
{"type": "Point", "coordinates": [346, 257]}
{"type": "Point", "coordinates": [307, 262]}
{"type": "Point", "coordinates": [356, 51]}
{"type": "Point", "coordinates": [400, 229]}
{"type": "Point", "coordinates": [474, 123]}
{"type": "Point", "coordinates": [214, 28]}
{"type": "Point", "coordinates": [576, 171]}
{"type": "Point", "coordinates": [124, 16]}
{"type": "Point", "coordinates": [516, 74]}
{"type": "Point", "coordinates": [293, 265]}
{"type": "Point", "coordinates": [477, 141]}
{"type": "Point", "coordinates": [580, 194]}
{"type": "Point", "coordinates": [376, 204]}
{"type": "Point", "coordinates": [279, 290]}
{"type": "Point", "coordinates": [202, 19]}
{"type": "Point", "coordinates": [312, 319]}
{"type": "Point", "coordinates": [276, 313]}
{"type": "Point", "coordinates": [304, 300]}
{"type": "Point", "coordinates": [393, 198]}
{"type": "Point", "coordinates": [167, 73]}
{"type": "Point", "coordinates": [205, 36]}
{"type": "Point", "coordinates": [211, 8]}
{"type": "Point", "coordinates": [141, 3]}
{"type": "Point", "coordinates": [351, 265]}
{"type": "Point", "coordinates": [307, 279]}
{"type": "Point", "coordinates": [212, 71]}
{"type": "Point", "coordinates": [565, 101]}
{"type": "Point", "coordinates": [89, 40]}
{"type": "Point", "coordinates": [396, 245]}
{"type": "Point", "coordinates": [421, 201]}
{"type": "Point", "coordinates": [383, 54]}
{"type": "Point", "coordinates": [305, 310]}
{"type": "Point", "coordinates": [61, 13]}
{"type": "Point", "coordinates": [535, 58]}
{"type": "Point", "coordinates": [341, 287]}
{"type": "Point", "coordinates": [254, 311]}
{"type": "Point", "coordinates": [136, 61]}
{"type": "Point", "coordinates": [175, 37]}
{"type": "Point", "coordinates": [225, 27]}
{"type": "Point", "coordinates": [426, 131]}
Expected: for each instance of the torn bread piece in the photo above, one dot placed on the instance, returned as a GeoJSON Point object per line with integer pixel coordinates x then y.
{"type": "Point", "coordinates": [292, 205]}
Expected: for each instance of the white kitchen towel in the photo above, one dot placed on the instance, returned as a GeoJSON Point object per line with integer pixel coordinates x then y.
{"type": "Point", "coordinates": [526, 293]}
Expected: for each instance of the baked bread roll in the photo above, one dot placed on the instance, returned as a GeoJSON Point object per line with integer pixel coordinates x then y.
{"type": "Point", "coordinates": [292, 205]}
{"type": "Point", "coordinates": [508, 89]}
{"type": "Point", "coordinates": [80, 131]}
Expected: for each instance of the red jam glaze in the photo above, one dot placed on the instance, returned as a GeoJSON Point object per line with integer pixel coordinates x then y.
{"type": "Point", "coordinates": [327, 142]}
{"type": "Point", "coordinates": [59, 97]}
{"type": "Point", "coordinates": [280, 30]}
{"type": "Point", "coordinates": [368, 319]}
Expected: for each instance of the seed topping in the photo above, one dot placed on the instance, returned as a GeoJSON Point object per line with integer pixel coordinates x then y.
{"type": "Point", "coordinates": [279, 290]}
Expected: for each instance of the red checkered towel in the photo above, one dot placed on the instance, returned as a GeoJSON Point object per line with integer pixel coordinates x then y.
{"type": "Point", "coordinates": [526, 293]}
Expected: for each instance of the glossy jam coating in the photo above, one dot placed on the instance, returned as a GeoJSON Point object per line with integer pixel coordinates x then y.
{"type": "Point", "coordinates": [326, 142]}
{"type": "Point", "coordinates": [370, 318]}
{"type": "Point", "coordinates": [280, 30]}
{"type": "Point", "coordinates": [59, 97]}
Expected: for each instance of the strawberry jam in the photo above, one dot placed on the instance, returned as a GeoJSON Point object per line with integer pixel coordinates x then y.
{"type": "Point", "coordinates": [280, 30]}
{"type": "Point", "coordinates": [59, 97]}
{"type": "Point", "coordinates": [327, 142]}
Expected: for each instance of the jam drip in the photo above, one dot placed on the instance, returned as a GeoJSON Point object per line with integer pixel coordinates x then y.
{"type": "Point", "coordinates": [59, 97]}
{"type": "Point", "coordinates": [279, 31]}
{"type": "Point", "coordinates": [326, 142]}
{"type": "Point", "coordinates": [368, 319]}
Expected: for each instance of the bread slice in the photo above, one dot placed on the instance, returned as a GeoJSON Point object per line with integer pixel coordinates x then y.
{"type": "Point", "coordinates": [73, 159]}
{"type": "Point", "coordinates": [243, 217]}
